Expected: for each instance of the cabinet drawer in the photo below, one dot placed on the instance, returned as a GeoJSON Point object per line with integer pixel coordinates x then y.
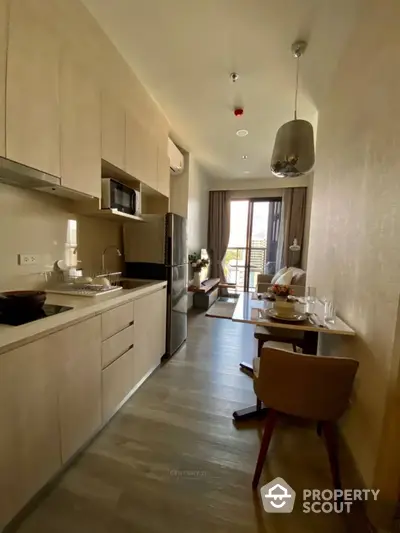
{"type": "Point", "coordinates": [116, 320]}
{"type": "Point", "coordinates": [116, 345]}
{"type": "Point", "coordinates": [117, 380]}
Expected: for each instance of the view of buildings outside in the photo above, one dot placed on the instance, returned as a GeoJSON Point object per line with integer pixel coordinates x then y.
{"type": "Point", "coordinates": [235, 265]}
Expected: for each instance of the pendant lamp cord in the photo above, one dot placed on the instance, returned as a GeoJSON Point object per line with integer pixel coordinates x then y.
{"type": "Point", "coordinates": [297, 87]}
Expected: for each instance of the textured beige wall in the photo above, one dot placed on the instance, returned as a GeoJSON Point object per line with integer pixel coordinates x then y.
{"type": "Point", "coordinates": [197, 207]}
{"type": "Point", "coordinates": [34, 222]}
{"type": "Point", "coordinates": [354, 252]}
{"type": "Point", "coordinates": [179, 190]}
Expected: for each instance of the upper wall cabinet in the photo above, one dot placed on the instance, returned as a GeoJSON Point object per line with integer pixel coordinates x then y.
{"type": "Point", "coordinates": [32, 94]}
{"type": "Point", "coordinates": [163, 173]}
{"type": "Point", "coordinates": [141, 153]}
{"type": "Point", "coordinates": [112, 131]}
{"type": "Point", "coordinates": [134, 153]}
{"type": "Point", "coordinates": [80, 128]}
{"type": "Point", "coordinates": [3, 58]}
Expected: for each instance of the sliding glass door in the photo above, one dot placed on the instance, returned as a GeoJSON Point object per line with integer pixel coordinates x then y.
{"type": "Point", "coordinates": [253, 241]}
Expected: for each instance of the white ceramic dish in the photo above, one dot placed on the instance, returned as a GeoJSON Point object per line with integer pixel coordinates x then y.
{"type": "Point", "coordinates": [286, 317]}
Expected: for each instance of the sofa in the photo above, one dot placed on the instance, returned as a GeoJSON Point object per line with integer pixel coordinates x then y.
{"type": "Point", "coordinates": [292, 276]}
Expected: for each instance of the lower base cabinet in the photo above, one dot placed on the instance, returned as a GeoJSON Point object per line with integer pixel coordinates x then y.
{"type": "Point", "coordinates": [54, 396]}
{"type": "Point", "coordinates": [29, 436]}
{"type": "Point", "coordinates": [117, 381]}
{"type": "Point", "coordinates": [50, 405]}
{"type": "Point", "coordinates": [125, 373]}
{"type": "Point", "coordinates": [150, 332]}
{"type": "Point", "coordinates": [79, 393]}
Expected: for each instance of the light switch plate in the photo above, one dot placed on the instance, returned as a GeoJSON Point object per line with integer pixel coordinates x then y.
{"type": "Point", "coordinates": [28, 259]}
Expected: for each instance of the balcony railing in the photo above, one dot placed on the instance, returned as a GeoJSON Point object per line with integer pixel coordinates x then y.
{"type": "Point", "coordinates": [242, 266]}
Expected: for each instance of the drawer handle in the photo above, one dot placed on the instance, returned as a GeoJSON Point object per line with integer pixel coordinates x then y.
{"type": "Point", "coordinates": [119, 356]}
{"type": "Point", "coordinates": [119, 331]}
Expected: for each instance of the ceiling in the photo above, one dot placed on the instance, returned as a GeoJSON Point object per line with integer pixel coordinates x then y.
{"type": "Point", "coordinates": [184, 50]}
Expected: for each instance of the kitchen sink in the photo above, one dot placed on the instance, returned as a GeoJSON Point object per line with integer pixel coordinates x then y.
{"type": "Point", "coordinates": [132, 283]}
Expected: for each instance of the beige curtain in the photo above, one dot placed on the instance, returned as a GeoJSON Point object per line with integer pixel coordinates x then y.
{"type": "Point", "coordinates": [292, 226]}
{"type": "Point", "coordinates": [219, 213]}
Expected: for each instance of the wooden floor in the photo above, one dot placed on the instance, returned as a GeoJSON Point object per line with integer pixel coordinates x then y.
{"type": "Point", "coordinates": [171, 461]}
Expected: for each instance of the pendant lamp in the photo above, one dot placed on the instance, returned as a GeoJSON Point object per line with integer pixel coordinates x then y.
{"type": "Point", "coordinates": [294, 153]}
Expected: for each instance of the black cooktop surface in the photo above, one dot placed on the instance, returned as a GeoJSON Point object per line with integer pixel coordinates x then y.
{"type": "Point", "coordinates": [17, 319]}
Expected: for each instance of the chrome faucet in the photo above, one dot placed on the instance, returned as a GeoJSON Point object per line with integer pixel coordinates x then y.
{"type": "Point", "coordinates": [104, 254]}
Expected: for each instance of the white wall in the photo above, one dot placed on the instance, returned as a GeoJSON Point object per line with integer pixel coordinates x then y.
{"type": "Point", "coordinates": [189, 198]}
{"type": "Point", "coordinates": [197, 207]}
{"type": "Point", "coordinates": [179, 190]}
{"type": "Point", "coordinates": [354, 253]}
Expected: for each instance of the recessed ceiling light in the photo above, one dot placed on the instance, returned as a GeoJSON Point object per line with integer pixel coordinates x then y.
{"type": "Point", "coordinates": [245, 156]}
{"type": "Point", "coordinates": [246, 172]}
{"type": "Point", "coordinates": [242, 133]}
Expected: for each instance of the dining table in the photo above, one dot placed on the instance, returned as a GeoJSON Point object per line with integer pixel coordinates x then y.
{"type": "Point", "coordinates": [252, 308]}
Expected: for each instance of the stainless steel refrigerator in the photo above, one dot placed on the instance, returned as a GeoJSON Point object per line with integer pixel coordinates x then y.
{"type": "Point", "coordinates": [156, 249]}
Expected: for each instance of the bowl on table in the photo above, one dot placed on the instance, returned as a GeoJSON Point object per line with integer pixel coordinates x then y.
{"type": "Point", "coordinates": [284, 308]}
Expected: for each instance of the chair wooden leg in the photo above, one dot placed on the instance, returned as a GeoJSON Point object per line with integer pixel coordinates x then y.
{"type": "Point", "coordinates": [259, 348]}
{"type": "Point", "coordinates": [329, 431]}
{"type": "Point", "coordinates": [294, 347]}
{"type": "Point", "coordinates": [266, 439]}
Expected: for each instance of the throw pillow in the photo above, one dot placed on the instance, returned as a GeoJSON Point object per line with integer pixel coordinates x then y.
{"type": "Point", "coordinates": [278, 275]}
{"type": "Point", "coordinates": [286, 278]}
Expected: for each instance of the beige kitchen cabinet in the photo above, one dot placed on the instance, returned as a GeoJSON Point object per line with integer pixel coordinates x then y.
{"type": "Point", "coordinates": [112, 131]}
{"type": "Point", "coordinates": [163, 172]}
{"type": "Point", "coordinates": [116, 320]}
{"type": "Point", "coordinates": [80, 384]}
{"type": "Point", "coordinates": [30, 435]}
{"type": "Point", "coordinates": [118, 379]}
{"type": "Point", "coordinates": [80, 128]}
{"type": "Point", "coordinates": [116, 345]}
{"type": "Point", "coordinates": [150, 332]}
{"type": "Point", "coordinates": [32, 96]}
{"type": "Point", "coordinates": [134, 148]}
{"type": "Point", "coordinates": [151, 162]}
{"type": "Point", "coordinates": [141, 153]}
{"type": "Point", "coordinates": [158, 304]}
{"type": "Point", "coordinates": [3, 60]}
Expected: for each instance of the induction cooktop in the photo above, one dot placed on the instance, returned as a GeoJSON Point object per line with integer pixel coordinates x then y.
{"type": "Point", "coordinates": [17, 319]}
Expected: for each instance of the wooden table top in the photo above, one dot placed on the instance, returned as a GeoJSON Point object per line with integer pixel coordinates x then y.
{"type": "Point", "coordinates": [248, 308]}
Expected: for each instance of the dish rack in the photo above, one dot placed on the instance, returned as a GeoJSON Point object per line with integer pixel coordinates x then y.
{"type": "Point", "coordinates": [63, 283]}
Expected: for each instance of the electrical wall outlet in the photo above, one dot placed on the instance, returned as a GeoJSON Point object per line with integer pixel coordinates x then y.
{"type": "Point", "coordinates": [28, 259]}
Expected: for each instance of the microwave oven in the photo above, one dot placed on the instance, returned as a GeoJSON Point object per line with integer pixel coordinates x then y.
{"type": "Point", "coordinates": [121, 197]}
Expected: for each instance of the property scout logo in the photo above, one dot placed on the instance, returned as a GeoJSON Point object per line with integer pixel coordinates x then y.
{"type": "Point", "coordinates": [279, 497]}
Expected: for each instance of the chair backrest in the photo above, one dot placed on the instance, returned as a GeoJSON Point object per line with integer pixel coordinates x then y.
{"type": "Point", "coordinates": [309, 386]}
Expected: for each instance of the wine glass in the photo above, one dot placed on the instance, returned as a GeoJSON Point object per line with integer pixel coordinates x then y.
{"type": "Point", "coordinates": [310, 297]}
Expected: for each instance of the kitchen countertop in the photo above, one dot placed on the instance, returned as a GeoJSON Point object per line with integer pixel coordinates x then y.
{"type": "Point", "coordinates": [83, 308]}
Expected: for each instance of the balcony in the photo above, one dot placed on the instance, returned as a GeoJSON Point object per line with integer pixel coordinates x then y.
{"type": "Point", "coordinates": [242, 266]}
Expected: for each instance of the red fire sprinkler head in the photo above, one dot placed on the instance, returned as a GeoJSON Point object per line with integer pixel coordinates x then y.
{"type": "Point", "coordinates": [238, 111]}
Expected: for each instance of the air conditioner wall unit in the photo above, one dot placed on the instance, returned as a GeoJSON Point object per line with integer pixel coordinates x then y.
{"type": "Point", "coordinates": [176, 160]}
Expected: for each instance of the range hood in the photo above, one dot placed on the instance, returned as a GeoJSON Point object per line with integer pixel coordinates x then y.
{"type": "Point", "coordinates": [19, 175]}
{"type": "Point", "coordinates": [26, 177]}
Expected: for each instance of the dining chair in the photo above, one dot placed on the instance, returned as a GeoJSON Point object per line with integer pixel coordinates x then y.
{"type": "Point", "coordinates": [313, 387]}
{"type": "Point", "coordinates": [265, 334]}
